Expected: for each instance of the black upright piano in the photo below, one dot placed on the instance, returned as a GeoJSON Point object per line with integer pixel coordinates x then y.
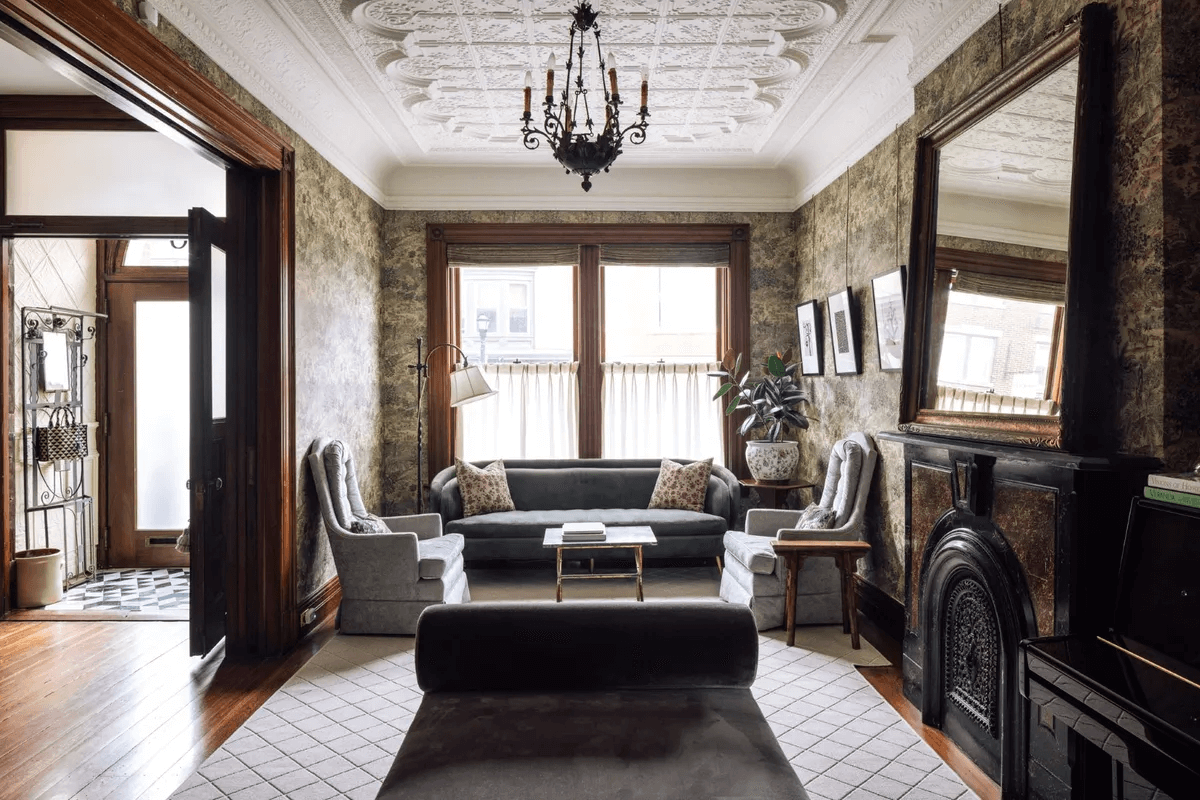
{"type": "Point", "coordinates": [1132, 694]}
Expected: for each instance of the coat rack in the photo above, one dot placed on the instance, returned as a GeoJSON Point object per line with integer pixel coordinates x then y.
{"type": "Point", "coordinates": [58, 508]}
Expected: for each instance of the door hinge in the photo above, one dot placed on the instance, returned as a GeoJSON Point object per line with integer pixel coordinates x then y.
{"type": "Point", "coordinates": [106, 423]}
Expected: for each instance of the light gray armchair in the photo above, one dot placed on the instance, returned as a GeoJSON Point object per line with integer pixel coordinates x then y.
{"type": "Point", "coordinates": [753, 576]}
{"type": "Point", "coordinates": [390, 576]}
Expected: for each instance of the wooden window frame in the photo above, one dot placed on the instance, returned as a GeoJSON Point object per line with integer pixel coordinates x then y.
{"type": "Point", "coordinates": [733, 310]}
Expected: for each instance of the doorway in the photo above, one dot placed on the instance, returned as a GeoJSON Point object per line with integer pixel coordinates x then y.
{"type": "Point", "coordinates": [115, 512]}
{"type": "Point", "coordinates": [105, 50]}
{"type": "Point", "coordinates": [145, 411]}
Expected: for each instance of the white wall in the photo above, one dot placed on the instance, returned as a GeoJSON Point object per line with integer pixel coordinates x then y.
{"type": "Point", "coordinates": [108, 173]}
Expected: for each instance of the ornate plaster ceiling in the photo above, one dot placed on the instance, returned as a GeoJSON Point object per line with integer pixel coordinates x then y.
{"type": "Point", "coordinates": [1022, 151]}
{"type": "Point", "coordinates": [418, 101]}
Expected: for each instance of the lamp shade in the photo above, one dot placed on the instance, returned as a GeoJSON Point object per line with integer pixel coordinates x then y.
{"type": "Point", "coordinates": [468, 385]}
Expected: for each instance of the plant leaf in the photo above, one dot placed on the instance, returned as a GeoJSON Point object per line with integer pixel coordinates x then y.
{"type": "Point", "coordinates": [724, 390]}
{"type": "Point", "coordinates": [774, 366]}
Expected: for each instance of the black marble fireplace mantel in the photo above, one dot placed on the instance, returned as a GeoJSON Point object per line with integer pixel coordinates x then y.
{"type": "Point", "coordinates": [1004, 543]}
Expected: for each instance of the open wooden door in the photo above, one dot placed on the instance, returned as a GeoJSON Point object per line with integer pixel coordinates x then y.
{"type": "Point", "coordinates": [206, 298]}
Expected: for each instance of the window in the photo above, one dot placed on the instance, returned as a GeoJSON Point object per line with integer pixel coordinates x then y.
{"type": "Point", "coordinates": [516, 313]}
{"type": "Point", "coordinates": [661, 300]}
{"type": "Point", "coordinates": [660, 314]}
{"type": "Point", "coordinates": [967, 360]}
{"type": "Point", "coordinates": [157, 253]}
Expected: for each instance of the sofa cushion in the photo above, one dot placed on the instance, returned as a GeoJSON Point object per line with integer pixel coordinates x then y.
{"type": "Point", "coordinates": [533, 524]}
{"type": "Point", "coordinates": [437, 552]}
{"type": "Point", "coordinates": [483, 490]}
{"type": "Point", "coordinates": [754, 552]}
{"type": "Point", "coordinates": [680, 486]}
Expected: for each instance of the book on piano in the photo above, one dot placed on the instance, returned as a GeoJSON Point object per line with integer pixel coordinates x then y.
{"type": "Point", "coordinates": [1176, 481]}
{"type": "Point", "coordinates": [1172, 496]}
{"type": "Point", "coordinates": [583, 532]}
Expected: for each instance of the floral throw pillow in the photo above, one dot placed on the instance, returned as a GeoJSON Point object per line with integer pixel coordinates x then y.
{"type": "Point", "coordinates": [816, 517]}
{"type": "Point", "coordinates": [483, 490]}
{"type": "Point", "coordinates": [680, 486]}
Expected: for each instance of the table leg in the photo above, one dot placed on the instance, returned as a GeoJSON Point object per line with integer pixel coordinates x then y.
{"type": "Point", "coordinates": [558, 560]}
{"type": "Point", "coordinates": [791, 559]}
{"type": "Point", "coordinates": [852, 599]}
{"type": "Point", "coordinates": [843, 566]}
{"type": "Point", "coordinates": [637, 557]}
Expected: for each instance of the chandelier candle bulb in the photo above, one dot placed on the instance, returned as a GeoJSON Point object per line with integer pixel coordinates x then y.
{"type": "Point", "coordinates": [612, 76]}
{"type": "Point", "coordinates": [550, 78]}
{"type": "Point", "coordinates": [528, 91]}
{"type": "Point", "coordinates": [645, 84]}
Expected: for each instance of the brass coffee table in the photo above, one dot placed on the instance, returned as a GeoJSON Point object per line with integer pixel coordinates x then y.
{"type": "Point", "coordinates": [632, 537]}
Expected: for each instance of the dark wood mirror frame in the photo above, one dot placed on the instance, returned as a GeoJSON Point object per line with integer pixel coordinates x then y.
{"type": "Point", "coordinates": [1089, 291]}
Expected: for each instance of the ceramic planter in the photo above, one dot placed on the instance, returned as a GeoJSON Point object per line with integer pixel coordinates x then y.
{"type": "Point", "coordinates": [772, 461]}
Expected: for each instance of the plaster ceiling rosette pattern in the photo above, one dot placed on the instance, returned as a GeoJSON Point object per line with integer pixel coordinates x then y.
{"type": "Point", "coordinates": [721, 73]}
{"type": "Point", "coordinates": [390, 91]}
{"type": "Point", "coordinates": [1024, 149]}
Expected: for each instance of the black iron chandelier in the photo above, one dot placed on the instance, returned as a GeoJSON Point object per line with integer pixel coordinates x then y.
{"type": "Point", "coordinates": [577, 146]}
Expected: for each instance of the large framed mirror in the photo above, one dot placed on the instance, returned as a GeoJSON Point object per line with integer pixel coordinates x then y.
{"type": "Point", "coordinates": [1007, 244]}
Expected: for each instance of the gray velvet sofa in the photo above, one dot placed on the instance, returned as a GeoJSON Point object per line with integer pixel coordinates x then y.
{"type": "Point", "coordinates": [590, 699]}
{"type": "Point", "coordinates": [613, 491]}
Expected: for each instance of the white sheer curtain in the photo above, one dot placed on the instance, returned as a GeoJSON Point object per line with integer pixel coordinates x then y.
{"type": "Point", "coordinates": [534, 414]}
{"type": "Point", "coordinates": [661, 411]}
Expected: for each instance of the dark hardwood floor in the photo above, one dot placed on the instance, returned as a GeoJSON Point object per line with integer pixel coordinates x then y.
{"type": "Point", "coordinates": [118, 710]}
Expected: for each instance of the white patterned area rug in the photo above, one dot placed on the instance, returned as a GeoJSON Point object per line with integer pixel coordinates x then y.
{"type": "Point", "coordinates": [334, 728]}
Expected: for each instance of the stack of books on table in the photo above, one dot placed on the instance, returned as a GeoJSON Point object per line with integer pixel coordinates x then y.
{"type": "Point", "coordinates": [583, 532]}
{"type": "Point", "coordinates": [1174, 487]}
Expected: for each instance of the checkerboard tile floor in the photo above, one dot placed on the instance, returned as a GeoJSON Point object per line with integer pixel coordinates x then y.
{"type": "Point", "coordinates": [130, 590]}
{"type": "Point", "coordinates": [334, 728]}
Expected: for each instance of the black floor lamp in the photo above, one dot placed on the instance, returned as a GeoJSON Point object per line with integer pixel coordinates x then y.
{"type": "Point", "coordinates": [466, 386]}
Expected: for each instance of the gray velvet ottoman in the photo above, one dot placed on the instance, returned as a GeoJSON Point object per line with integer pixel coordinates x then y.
{"type": "Point", "coordinates": [589, 699]}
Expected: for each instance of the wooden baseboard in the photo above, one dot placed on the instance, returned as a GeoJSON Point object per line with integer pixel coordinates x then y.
{"type": "Point", "coordinates": [883, 610]}
{"type": "Point", "coordinates": [324, 601]}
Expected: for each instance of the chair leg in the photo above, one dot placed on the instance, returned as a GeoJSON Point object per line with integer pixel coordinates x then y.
{"type": "Point", "coordinates": [720, 566]}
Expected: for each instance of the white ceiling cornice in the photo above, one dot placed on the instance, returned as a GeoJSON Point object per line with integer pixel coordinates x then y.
{"type": "Point", "coordinates": [830, 80]}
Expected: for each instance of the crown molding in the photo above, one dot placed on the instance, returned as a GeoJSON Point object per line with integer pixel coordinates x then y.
{"type": "Point", "coordinates": [995, 233]}
{"type": "Point", "coordinates": [883, 127]}
{"type": "Point", "coordinates": [242, 68]}
{"type": "Point", "coordinates": [938, 41]}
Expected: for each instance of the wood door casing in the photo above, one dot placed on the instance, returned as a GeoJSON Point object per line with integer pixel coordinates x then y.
{"type": "Point", "coordinates": [126, 544]}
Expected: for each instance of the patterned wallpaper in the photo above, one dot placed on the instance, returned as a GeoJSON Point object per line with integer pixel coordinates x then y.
{"type": "Point", "coordinates": [338, 230]}
{"type": "Point", "coordinates": [1153, 165]}
{"type": "Point", "coordinates": [772, 322]}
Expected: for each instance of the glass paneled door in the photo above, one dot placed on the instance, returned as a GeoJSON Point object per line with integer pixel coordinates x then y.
{"type": "Point", "coordinates": [148, 421]}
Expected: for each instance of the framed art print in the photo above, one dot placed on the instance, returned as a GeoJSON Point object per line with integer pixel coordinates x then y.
{"type": "Point", "coordinates": [842, 333]}
{"type": "Point", "coordinates": [808, 328]}
{"type": "Point", "coordinates": [888, 291]}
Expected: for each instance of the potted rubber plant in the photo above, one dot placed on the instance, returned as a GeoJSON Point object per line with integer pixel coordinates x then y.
{"type": "Point", "coordinates": [771, 402]}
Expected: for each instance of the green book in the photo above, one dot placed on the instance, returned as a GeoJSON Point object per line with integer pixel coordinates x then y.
{"type": "Point", "coordinates": [1168, 496]}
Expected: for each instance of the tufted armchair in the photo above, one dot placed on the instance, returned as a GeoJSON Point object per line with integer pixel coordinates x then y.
{"type": "Point", "coordinates": [390, 568]}
{"type": "Point", "coordinates": [753, 576]}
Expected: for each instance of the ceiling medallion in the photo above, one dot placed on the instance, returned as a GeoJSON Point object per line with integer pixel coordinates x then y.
{"type": "Point", "coordinates": [581, 151]}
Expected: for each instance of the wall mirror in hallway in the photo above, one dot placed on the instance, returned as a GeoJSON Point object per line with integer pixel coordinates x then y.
{"type": "Point", "coordinates": [1003, 185]}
